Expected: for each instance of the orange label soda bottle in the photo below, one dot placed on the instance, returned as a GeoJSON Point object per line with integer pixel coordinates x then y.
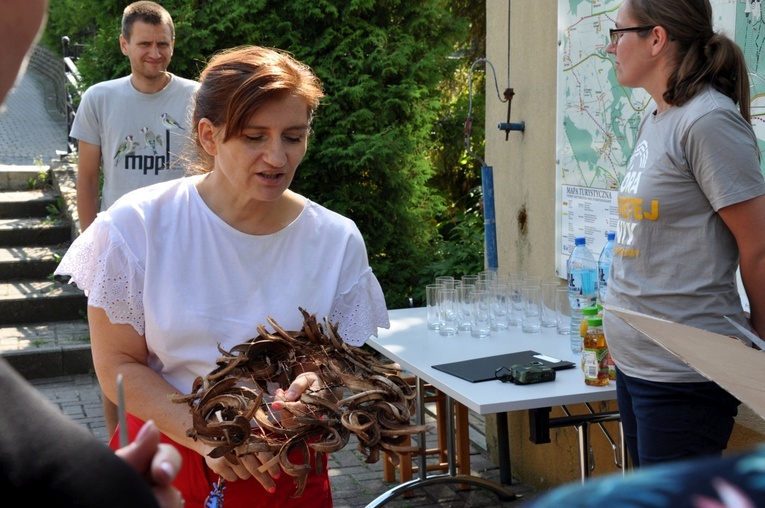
{"type": "Point", "coordinates": [587, 313]}
{"type": "Point", "coordinates": [595, 354]}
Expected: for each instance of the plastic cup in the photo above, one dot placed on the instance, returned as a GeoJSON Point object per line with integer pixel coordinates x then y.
{"type": "Point", "coordinates": [563, 311]}
{"type": "Point", "coordinates": [549, 294]}
{"type": "Point", "coordinates": [516, 304]}
{"type": "Point", "coordinates": [480, 314]}
{"type": "Point", "coordinates": [463, 305]}
{"type": "Point", "coordinates": [499, 295]}
{"type": "Point", "coordinates": [431, 303]}
{"type": "Point", "coordinates": [448, 313]}
{"type": "Point", "coordinates": [532, 309]}
{"type": "Point", "coordinates": [446, 281]}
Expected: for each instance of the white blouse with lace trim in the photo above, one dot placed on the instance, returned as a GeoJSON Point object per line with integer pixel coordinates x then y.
{"type": "Point", "coordinates": [164, 263]}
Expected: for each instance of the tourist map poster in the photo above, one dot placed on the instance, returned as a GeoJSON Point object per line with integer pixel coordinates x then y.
{"type": "Point", "coordinates": [597, 119]}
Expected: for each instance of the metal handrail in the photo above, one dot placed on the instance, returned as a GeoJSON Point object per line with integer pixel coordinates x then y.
{"type": "Point", "coordinates": [72, 87]}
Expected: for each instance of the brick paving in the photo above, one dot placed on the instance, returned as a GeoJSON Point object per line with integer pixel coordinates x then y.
{"type": "Point", "coordinates": [30, 130]}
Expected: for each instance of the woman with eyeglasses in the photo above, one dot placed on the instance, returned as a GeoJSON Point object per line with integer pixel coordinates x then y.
{"type": "Point", "coordinates": [691, 211]}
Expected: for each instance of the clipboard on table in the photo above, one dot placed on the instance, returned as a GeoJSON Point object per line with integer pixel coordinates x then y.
{"type": "Point", "coordinates": [482, 369]}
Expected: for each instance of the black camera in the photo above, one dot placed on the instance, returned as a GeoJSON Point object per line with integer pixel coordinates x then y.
{"type": "Point", "coordinates": [526, 374]}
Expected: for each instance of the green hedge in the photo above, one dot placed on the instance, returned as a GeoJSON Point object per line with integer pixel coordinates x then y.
{"type": "Point", "coordinates": [386, 130]}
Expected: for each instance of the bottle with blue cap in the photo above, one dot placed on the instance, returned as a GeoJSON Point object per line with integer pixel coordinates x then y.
{"type": "Point", "coordinates": [582, 272]}
{"type": "Point", "coordinates": [604, 265]}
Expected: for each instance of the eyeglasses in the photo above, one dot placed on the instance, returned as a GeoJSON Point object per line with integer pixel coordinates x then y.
{"type": "Point", "coordinates": [614, 33]}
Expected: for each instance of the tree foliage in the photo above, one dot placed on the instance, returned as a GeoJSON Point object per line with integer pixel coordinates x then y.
{"type": "Point", "coordinates": [387, 150]}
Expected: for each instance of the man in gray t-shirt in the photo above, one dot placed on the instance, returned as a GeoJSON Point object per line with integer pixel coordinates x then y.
{"type": "Point", "coordinates": [134, 127]}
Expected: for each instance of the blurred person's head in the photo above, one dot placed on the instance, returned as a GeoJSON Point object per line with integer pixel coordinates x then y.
{"type": "Point", "coordinates": [21, 24]}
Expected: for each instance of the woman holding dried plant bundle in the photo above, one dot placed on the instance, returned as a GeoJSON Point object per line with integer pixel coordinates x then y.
{"type": "Point", "coordinates": [253, 249]}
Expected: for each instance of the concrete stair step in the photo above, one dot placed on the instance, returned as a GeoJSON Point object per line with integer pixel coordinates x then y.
{"type": "Point", "coordinates": [48, 349]}
{"type": "Point", "coordinates": [39, 300]}
{"type": "Point", "coordinates": [27, 203]}
{"type": "Point", "coordinates": [29, 262]}
{"type": "Point", "coordinates": [22, 177]}
{"type": "Point", "coordinates": [33, 231]}
{"type": "Point", "coordinates": [43, 330]}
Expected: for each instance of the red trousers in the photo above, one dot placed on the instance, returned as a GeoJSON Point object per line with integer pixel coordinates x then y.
{"type": "Point", "coordinates": [195, 481]}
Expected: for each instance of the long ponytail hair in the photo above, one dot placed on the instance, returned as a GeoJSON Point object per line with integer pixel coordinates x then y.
{"type": "Point", "coordinates": [704, 57]}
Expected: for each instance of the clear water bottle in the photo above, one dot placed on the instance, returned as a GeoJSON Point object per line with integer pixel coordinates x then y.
{"type": "Point", "coordinates": [604, 266]}
{"type": "Point", "coordinates": [582, 272]}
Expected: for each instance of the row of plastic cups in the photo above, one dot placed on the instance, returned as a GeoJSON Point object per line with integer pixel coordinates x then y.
{"type": "Point", "coordinates": [482, 305]}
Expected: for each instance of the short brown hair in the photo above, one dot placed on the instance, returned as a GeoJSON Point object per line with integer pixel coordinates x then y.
{"type": "Point", "coordinates": [148, 12]}
{"type": "Point", "coordinates": [238, 81]}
